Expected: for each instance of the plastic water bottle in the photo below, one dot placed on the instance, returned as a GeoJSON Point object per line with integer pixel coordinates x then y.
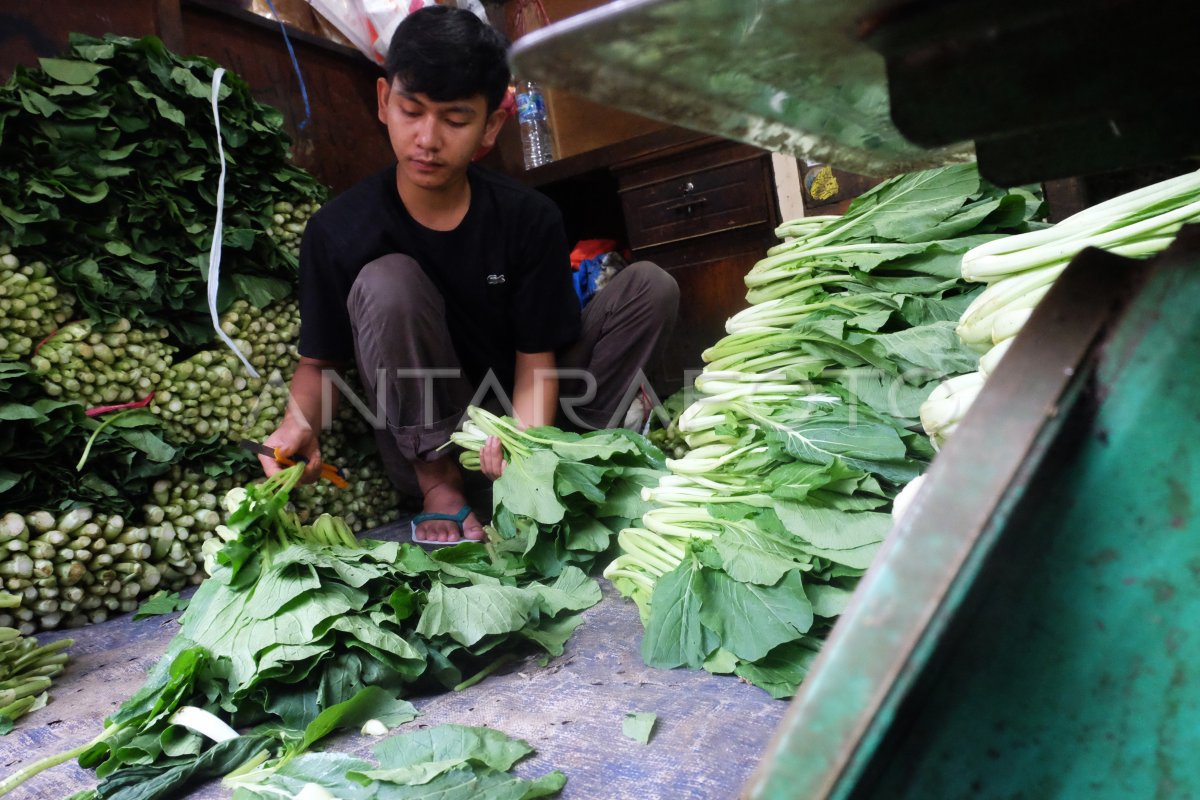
{"type": "Point", "coordinates": [536, 141]}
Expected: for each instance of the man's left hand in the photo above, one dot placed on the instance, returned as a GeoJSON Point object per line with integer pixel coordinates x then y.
{"type": "Point", "coordinates": [491, 459]}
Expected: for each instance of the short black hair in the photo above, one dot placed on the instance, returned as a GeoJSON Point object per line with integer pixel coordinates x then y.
{"type": "Point", "coordinates": [448, 53]}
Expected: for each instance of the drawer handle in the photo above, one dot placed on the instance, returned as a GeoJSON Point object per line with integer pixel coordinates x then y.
{"type": "Point", "coordinates": [687, 206]}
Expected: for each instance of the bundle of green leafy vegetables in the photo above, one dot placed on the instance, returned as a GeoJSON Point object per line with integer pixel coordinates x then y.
{"type": "Point", "coordinates": [563, 495]}
{"type": "Point", "coordinates": [108, 173]}
{"type": "Point", "coordinates": [295, 624]}
{"type": "Point", "coordinates": [54, 456]}
{"type": "Point", "coordinates": [807, 427]}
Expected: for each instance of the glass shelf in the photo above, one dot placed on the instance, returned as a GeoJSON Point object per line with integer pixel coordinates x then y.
{"type": "Point", "coordinates": [789, 76]}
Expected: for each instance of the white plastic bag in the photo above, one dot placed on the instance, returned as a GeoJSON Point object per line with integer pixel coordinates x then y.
{"type": "Point", "coordinates": [369, 24]}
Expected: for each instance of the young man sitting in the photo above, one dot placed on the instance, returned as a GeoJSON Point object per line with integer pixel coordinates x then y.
{"type": "Point", "coordinates": [441, 280]}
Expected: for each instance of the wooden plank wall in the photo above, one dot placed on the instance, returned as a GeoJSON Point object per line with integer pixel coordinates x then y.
{"type": "Point", "coordinates": [342, 143]}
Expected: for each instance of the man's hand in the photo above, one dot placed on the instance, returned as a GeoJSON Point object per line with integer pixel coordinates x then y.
{"type": "Point", "coordinates": [294, 440]}
{"type": "Point", "coordinates": [491, 459]}
{"type": "Point", "coordinates": [297, 435]}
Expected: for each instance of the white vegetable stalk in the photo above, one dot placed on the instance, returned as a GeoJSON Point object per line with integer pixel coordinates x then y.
{"type": "Point", "coordinates": [991, 359]}
{"type": "Point", "coordinates": [314, 791]}
{"type": "Point", "coordinates": [947, 404]}
{"type": "Point", "coordinates": [1021, 270]}
{"type": "Point", "coordinates": [904, 499]}
{"type": "Point", "coordinates": [1007, 323]}
{"type": "Point", "coordinates": [374, 727]}
{"type": "Point", "coordinates": [1020, 291]}
{"type": "Point", "coordinates": [204, 723]}
{"type": "Point", "coordinates": [1153, 213]}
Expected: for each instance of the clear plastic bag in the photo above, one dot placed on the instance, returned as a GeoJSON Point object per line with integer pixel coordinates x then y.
{"type": "Point", "coordinates": [368, 24]}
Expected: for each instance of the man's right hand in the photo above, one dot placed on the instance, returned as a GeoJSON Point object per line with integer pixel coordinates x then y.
{"type": "Point", "coordinates": [294, 440]}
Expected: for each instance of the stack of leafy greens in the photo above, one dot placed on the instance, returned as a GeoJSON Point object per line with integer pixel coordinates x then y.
{"type": "Point", "coordinates": [563, 495]}
{"type": "Point", "coordinates": [109, 175]}
{"type": "Point", "coordinates": [448, 762]}
{"type": "Point", "coordinates": [297, 620]}
{"type": "Point", "coordinates": [1020, 270]}
{"type": "Point", "coordinates": [42, 439]}
{"type": "Point", "coordinates": [807, 427]}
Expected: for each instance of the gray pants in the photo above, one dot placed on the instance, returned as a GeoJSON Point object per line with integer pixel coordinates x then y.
{"type": "Point", "coordinates": [405, 357]}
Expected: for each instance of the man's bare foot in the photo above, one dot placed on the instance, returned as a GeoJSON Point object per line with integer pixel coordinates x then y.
{"type": "Point", "coordinates": [444, 499]}
{"type": "Point", "coordinates": [442, 486]}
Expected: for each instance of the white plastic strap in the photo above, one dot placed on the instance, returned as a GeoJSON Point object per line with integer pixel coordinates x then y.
{"type": "Point", "coordinates": [214, 254]}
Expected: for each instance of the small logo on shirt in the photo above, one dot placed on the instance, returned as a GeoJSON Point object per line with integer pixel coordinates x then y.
{"type": "Point", "coordinates": [495, 280]}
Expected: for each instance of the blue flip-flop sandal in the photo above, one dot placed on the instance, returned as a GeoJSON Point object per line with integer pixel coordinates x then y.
{"type": "Point", "coordinates": [458, 519]}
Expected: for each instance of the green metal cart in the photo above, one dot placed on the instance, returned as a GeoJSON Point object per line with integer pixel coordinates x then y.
{"type": "Point", "coordinates": [1030, 628]}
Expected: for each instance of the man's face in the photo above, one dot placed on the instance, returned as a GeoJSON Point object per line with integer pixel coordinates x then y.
{"type": "Point", "coordinates": [435, 141]}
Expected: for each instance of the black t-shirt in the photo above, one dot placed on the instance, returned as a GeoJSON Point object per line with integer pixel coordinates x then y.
{"type": "Point", "coordinates": [504, 272]}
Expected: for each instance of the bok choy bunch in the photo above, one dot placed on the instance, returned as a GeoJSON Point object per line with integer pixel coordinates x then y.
{"type": "Point", "coordinates": [806, 426]}
{"type": "Point", "coordinates": [1020, 270]}
{"type": "Point", "coordinates": [301, 627]}
{"type": "Point", "coordinates": [563, 495]}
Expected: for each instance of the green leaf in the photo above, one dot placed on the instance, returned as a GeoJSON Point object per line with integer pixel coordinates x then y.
{"type": "Point", "coordinates": [752, 554]}
{"type": "Point", "coordinates": [675, 635]}
{"type": "Point", "coordinates": [152, 782]}
{"type": "Point", "coordinates": [588, 533]}
{"type": "Point", "coordinates": [638, 725]}
{"type": "Point", "coordinates": [573, 590]}
{"type": "Point", "coordinates": [148, 442]}
{"type": "Point", "coordinates": [781, 671]}
{"type": "Point", "coordinates": [596, 446]}
{"type": "Point", "coordinates": [931, 351]}
{"type": "Point", "coordinates": [195, 87]}
{"type": "Point", "coordinates": [370, 702]}
{"type": "Point", "coordinates": [904, 208]}
{"type": "Point", "coordinates": [71, 72]}
{"type": "Point", "coordinates": [545, 785]}
{"type": "Point", "coordinates": [468, 614]}
{"type": "Point", "coordinates": [161, 602]}
{"type": "Point", "coordinates": [527, 488]}
{"type": "Point", "coordinates": [8, 479]}
{"type": "Point", "coordinates": [828, 601]}
{"type": "Point", "coordinates": [721, 662]}
{"type": "Point", "coordinates": [330, 771]}
{"type": "Point", "coordinates": [780, 613]}
{"type": "Point", "coordinates": [434, 751]}
{"type": "Point", "coordinates": [624, 499]}
{"type": "Point", "coordinates": [35, 103]}
{"type": "Point", "coordinates": [844, 537]}
{"type": "Point", "coordinates": [573, 477]}
{"type": "Point", "coordinates": [11, 412]}
{"type": "Point", "coordinates": [261, 291]}
{"type": "Point", "coordinates": [552, 635]}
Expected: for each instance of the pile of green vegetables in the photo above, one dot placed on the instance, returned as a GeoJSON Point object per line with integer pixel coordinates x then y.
{"type": "Point", "coordinates": [26, 669]}
{"type": "Point", "coordinates": [122, 404]}
{"type": "Point", "coordinates": [301, 628]}
{"type": "Point", "coordinates": [31, 304]}
{"type": "Point", "coordinates": [563, 495]}
{"type": "Point", "coordinates": [1020, 270]}
{"type": "Point", "coordinates": [110, 174]}
{"type": "Point", "coordinates": [806, 427]}
{"type": "Point", "coordinates": [43, 439]}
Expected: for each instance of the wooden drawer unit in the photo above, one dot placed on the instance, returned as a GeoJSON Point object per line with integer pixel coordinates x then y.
{"type": "Point", "coordinates": [705, 212]}
{"type": "Point", "coordinates": [717, 188]}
